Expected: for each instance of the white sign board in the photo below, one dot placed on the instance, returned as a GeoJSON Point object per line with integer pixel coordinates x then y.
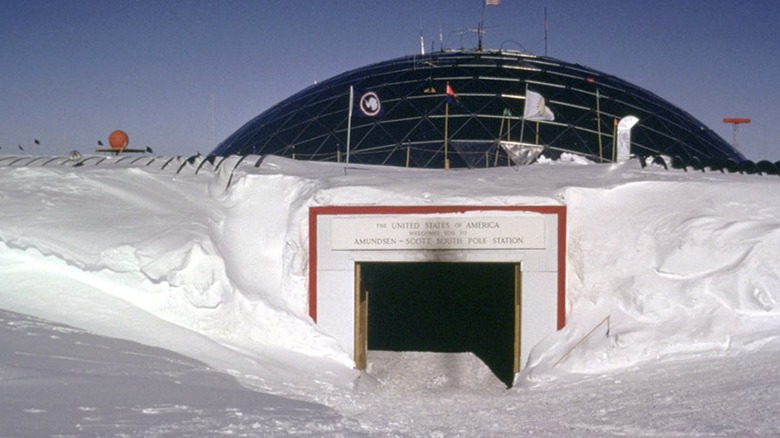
{"type": "Point", "coordinates": [410, 232]}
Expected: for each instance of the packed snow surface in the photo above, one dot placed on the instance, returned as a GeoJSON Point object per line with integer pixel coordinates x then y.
{"type": "Point", "coordinates": [169, 298]}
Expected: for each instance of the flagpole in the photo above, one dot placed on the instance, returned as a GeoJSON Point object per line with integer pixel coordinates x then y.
{"type": "Point", "coordinates": [598, 124]}
{"type": "Point", "coordinates": [446, 135]}
{"type": "Point", "coordinates": [500, 137]}
{"type": "Point", "coordinates": [449, 93]}
{"type": "Point", "coordinates": [537, 133]}
{"type": "Point", "coordinates": [349, 118]}
{"type": "Point", "coordinates": [522, 120]}
{"type": "Point", "coordinates": [614, 139]}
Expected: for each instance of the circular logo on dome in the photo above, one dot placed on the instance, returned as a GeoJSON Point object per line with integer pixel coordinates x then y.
{"type": "Point", "coordinates": [370, 104]}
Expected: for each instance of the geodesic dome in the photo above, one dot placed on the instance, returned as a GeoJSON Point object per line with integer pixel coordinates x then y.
{"type": "Point", "coordinates": [407, 117]}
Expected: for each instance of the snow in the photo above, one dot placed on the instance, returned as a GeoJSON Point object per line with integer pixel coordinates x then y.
{"type": "Point", "coordinates": [153, 299]}
{"type": "Point", "coordinates": [61, 381]}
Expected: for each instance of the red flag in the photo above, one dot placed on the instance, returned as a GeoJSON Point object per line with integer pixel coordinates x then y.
{"type": "Point", "coordinates": [451, 96]}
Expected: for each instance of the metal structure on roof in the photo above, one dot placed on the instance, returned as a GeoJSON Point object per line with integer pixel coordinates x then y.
{"type": "Point", "coordinates": [402, 114]}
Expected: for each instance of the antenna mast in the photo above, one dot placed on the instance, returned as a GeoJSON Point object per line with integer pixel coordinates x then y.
{"type": "Point", "coordinates": [545, 31]}
{"type": "Point", "coordinates": [422, 42]}
{"type": "Point", "coordinates": [736, 121]}
{"type": "Point", "coordinates": [481, 27]}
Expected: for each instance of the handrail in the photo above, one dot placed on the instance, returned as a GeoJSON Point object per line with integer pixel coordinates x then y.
{"type": "Point", "coordinates": [587, 335]}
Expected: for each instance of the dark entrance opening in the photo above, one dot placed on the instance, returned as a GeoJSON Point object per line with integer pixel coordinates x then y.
{"type": "Point", "coordinates": [444, 307]}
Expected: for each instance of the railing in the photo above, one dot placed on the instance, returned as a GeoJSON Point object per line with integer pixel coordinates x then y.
{"type": "Point", "coordinates": [583, 339]}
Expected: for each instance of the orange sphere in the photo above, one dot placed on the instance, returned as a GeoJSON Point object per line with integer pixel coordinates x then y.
{"type": "Point", "coordinates": [118, 139]}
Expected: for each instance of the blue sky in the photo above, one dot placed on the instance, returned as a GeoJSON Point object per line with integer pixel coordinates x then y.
{"type": "Point", "coordinates": [72, 71]}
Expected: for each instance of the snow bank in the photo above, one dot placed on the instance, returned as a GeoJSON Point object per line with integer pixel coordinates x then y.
{"type": "Point", "coordinates": [662, 268]}
{"type": "Point", "coordinates": [170, 245]}
{"type": "Point", "coordinates": [660, 263]}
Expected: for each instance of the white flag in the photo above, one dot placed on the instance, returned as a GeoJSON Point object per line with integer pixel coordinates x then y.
{"type": "Point", "coordinates": [535, 109]}
{"type": "Point", "coordinates": [492, 2]}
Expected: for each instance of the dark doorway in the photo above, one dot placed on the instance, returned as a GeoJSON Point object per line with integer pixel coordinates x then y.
{"type": "Point", "coordinates": [444, 307]}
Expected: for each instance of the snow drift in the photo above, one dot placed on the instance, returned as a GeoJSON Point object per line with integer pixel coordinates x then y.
{"type": "Point", "coordinates": [211, 262]}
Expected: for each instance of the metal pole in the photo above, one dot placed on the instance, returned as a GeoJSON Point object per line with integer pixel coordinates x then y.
{"type": "Point", "coordinates": [598, 125]}
{"type": "Point", "coordinates": [545, 31]}
{"type": "Point", "coordinates": [537, 133]}
{"type": "Point", "coordinates": [349, 119]}
{"type": "Point", "coordinates": [522, 120]}
{"type": "Point", "coordinates": [446, 135]}
{"type": "Point", "coordinates": [480, 28]}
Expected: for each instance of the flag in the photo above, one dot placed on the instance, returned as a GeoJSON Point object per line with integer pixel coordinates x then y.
{"type": "Point", "coordinates": [535, 109]}
{"type": "Point", "coordinates": [492, 2]}
{"type": "Point", "coordinates": [369, 104]}
{"type": "Point", "coordinates": [451, 96]}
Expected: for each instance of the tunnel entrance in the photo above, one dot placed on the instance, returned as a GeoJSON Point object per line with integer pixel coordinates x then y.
{"type": "Point", "coordinates": [440, 307]}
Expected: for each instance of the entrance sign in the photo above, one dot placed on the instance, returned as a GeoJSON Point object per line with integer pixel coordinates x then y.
{"type": "Point", "coordinates": [343, 240]}
{"type": "Point", "coordinates": [434, 232]}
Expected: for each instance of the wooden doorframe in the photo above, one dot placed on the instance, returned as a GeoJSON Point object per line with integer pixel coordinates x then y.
{"type": "Point", "coordinates": [361, 315]}
{"type": "Point", "coordinates": [518, 314]}
{"type": "Point", "coordinates": [361, 320]}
